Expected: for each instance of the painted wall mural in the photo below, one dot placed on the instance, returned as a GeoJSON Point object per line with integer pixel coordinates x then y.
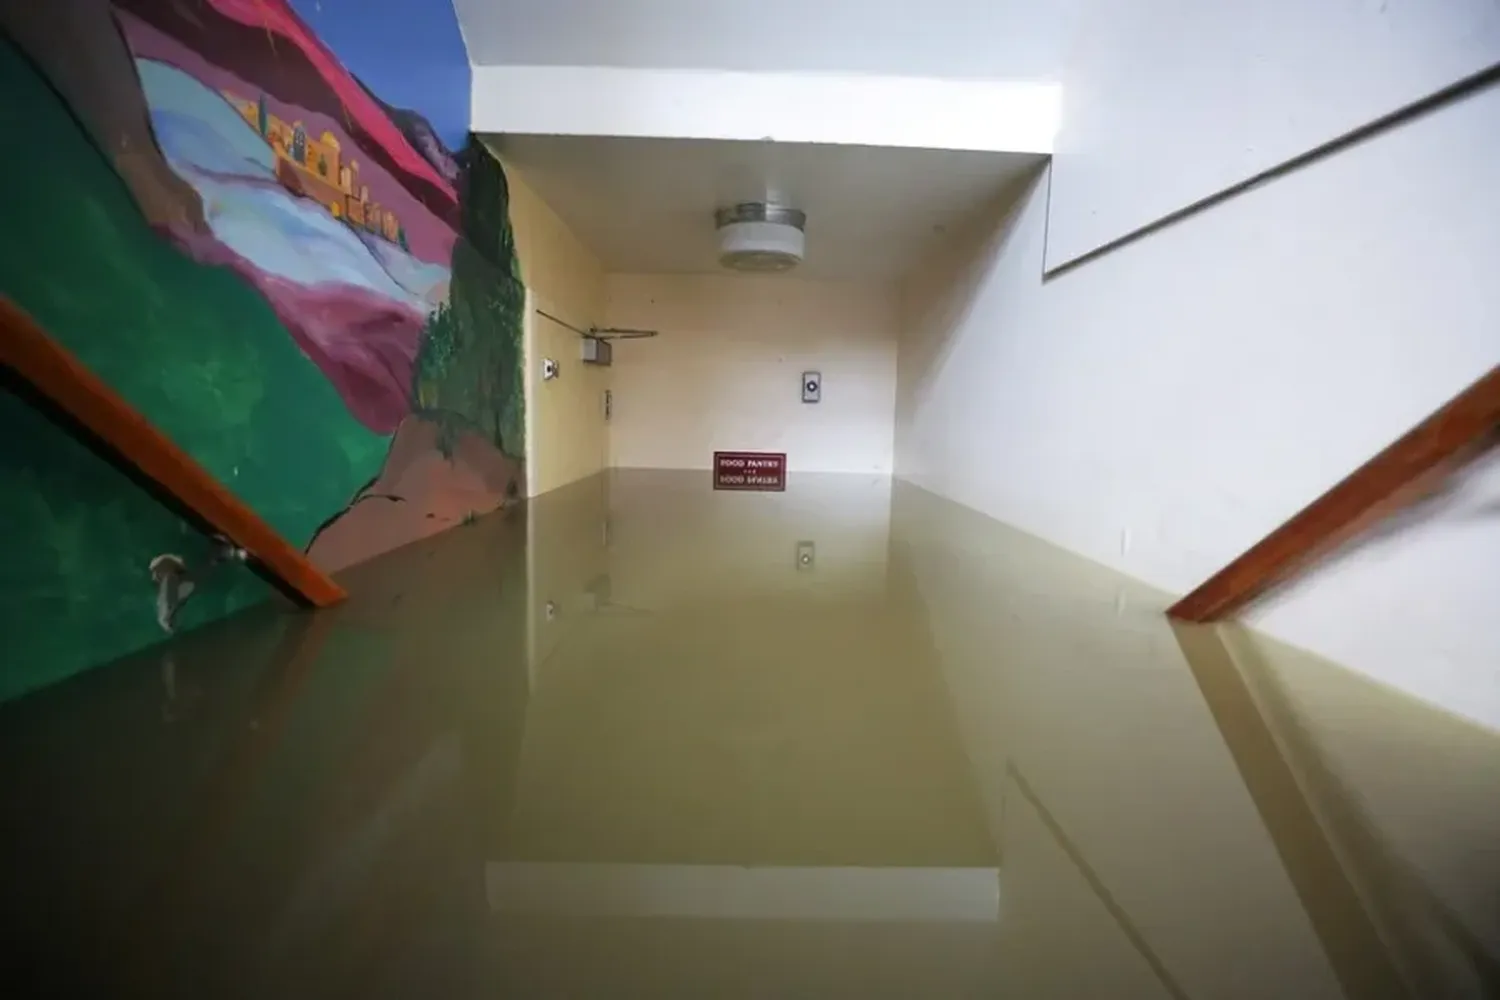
{"type": "Point", "coordinates": [307, 285]}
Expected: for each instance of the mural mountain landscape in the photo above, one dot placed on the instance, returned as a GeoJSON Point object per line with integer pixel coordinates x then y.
{"type": "Point", "coordinates": [278, 269]}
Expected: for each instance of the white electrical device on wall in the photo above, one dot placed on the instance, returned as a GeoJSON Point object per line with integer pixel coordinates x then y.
{"type": "Point", "coordinates": [812, 387]}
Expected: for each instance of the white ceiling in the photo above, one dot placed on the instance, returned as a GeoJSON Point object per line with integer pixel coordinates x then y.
{"type": "Point", "coordinates": [1010, 39]}
{"type": "Point", "coordinates": [647, 205]}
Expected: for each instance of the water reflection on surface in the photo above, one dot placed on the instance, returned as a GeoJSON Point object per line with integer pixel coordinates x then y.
{"type": "Point", "coordinates": [643, 739]}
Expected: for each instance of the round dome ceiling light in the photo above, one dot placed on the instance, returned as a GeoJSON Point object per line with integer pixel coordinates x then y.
{"type": "Point", "coordinates": [755, 236]}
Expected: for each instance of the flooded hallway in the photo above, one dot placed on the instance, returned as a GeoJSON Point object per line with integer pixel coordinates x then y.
{"type": "Point", "coordinates": [946, 759]}
{"type": "Point", "coordinates": [649, 498]}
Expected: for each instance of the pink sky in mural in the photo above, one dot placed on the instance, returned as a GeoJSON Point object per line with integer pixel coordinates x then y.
{"type": "Point", "coordinates": [276, 16]}
{"type": "Point", "coordinates": [428, 237]}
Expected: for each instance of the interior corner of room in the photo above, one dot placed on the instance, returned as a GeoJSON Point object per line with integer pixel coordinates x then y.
{"type": "Point", "coordinates": [1150, 340]}
{"type": "Point", "coordinates": [1153, 387]}
{"type": "Point", "coordinates": [992, 480]}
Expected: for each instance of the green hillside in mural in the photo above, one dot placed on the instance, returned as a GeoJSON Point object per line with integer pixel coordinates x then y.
{"type": "Point", "coordinates": [193, 347]}
{"type": "Point", "coordinates": [79, 536]}
{"type": "Point", "coordinates": [347, 363]}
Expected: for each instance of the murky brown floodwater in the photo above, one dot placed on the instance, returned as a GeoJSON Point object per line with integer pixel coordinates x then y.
{"type": "Point", "coordinates": [648, 740]}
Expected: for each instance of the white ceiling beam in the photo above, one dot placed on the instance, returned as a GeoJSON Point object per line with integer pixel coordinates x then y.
{"type": "Point", "coordinates": [847, 109]}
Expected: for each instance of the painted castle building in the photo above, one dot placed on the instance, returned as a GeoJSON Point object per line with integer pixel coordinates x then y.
{"type": "Point", "coordinates": [314, 166]}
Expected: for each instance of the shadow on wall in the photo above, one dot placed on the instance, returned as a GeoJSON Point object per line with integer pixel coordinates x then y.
{"type": "Point", "coordinates": [295, 282]}
{"type": "Point", "coordinates": [943, 296]}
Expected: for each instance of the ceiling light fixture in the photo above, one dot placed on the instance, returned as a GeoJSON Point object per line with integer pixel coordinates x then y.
{"type": "Point", "coordinates": [755, 236]}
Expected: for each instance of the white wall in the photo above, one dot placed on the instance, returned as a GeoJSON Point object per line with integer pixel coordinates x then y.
{"type": "Point", "coordinates": [1164, 406]}
{"type": "Point", "coordinates": [1168, 102]}
{"type": "Point", "coordinates": [725, 373]}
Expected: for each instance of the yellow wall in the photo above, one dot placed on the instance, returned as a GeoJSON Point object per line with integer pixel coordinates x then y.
{"type": "Point", "coordinates": [566, 437]}
{"type": "Point", "coordinates": [726, 372]}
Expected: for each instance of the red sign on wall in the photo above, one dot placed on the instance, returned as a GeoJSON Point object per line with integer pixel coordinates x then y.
{"type": "Point", "coordinates": [750, 470]}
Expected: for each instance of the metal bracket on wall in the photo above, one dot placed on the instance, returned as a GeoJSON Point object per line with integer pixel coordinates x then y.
{"type": "Point", "coordinates": [600, 332]}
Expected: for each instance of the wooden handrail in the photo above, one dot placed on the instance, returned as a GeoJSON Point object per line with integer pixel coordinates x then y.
{"type": "Point", "coordinates": [1406, 471]}
{"type": "Point", "coordinates": [60, 383]}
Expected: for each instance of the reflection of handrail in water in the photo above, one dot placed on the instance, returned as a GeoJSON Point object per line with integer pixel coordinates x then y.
{"type": "Point", "coordinates": [292, 661]}
{"type": "Point", "coordinates": [1364, 903]}
{"type": "Point", "coordinates": [1392, 884]}
{"type": "Point", "coordinates": [329, 883]}
{"type": "Point", "coordinates": [1096, 884]}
